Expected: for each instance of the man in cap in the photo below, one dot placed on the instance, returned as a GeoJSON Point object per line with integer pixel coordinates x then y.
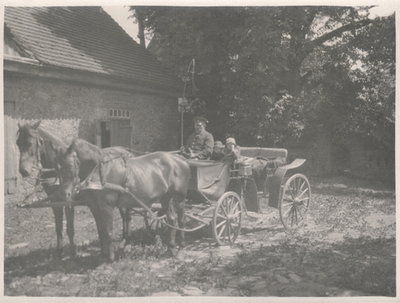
{"type": "Point", "coordinates": [200, 144]}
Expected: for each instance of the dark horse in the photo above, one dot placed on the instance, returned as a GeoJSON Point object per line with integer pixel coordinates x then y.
{"type": "Point", "coordinates": [38, 149]}
{"type": "Point", "coordinates": [159, 176]}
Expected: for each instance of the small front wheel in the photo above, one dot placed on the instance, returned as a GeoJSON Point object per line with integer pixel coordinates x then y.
{"type": "Point", "coordinates": [227, 219]}
{"type": "Point", "coordinates": [294, 201]}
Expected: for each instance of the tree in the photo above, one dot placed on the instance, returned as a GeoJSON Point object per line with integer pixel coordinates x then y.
{"type": "Point", "coordinates": [272, 73]}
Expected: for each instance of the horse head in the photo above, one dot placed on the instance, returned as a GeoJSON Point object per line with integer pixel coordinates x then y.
{"type": "Point", "coordinates": [29, 143]}
{"type": "Point", "coordinates": [68, 166]}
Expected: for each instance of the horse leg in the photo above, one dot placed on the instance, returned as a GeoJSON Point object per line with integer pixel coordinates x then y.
{"type": "Point", "coordinates": [106, 215]}
{"type": "Point", "coordinates": [58, 218]}
{"type": "Point", "coordinates": [122, 213]}
{"type": "Point", "coordinates": [94, 209]}
{"type": "Point", "coordinates": [69, 214]}
{"type": "Point", "coordinates": [172, 220]}
{"type": "Point", "coordinates": [126, 218]}
{"type": "Point", "coordinates": [180, 209]}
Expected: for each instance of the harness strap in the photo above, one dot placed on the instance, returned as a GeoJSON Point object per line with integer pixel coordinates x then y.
{"type": "Point", "coordinates": [99, 166]}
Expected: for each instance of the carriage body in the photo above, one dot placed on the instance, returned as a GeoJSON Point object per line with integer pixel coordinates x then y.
{"type": "Point", "coordinates": [283, 184]}
{"type": "Point", "coordinates": [259, 173]}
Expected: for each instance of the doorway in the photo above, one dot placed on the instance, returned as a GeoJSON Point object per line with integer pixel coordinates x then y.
{"type": "Point", "coordinates": [115, 129]}
{"type": "Point", "coordinates": [105, 134]}
{"type": "Point", "coordinates": [120, 132]}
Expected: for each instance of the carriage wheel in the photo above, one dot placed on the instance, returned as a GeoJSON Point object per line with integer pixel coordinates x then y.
{"type": "Point", "coordinates": [227, 218]}
{"type": "Point", "coordinates": [294, 201]}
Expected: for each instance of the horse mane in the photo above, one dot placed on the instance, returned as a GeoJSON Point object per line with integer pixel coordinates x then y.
{"type": "Point", "coordinates": [52, 138]}
{"type": "Point", "coordinates": [86, 151]}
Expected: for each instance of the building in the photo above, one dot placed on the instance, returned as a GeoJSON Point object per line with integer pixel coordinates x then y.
{"type": "Point", "coordinates": [75, 69]}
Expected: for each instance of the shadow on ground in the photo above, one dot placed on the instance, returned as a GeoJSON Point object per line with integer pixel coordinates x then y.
{"type": "Point", "coordinates": [364, 265]}
{"type": "Point", "coordinates": [43, 261]}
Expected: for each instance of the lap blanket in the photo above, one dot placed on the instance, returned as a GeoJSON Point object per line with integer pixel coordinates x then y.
{"type": "Point", "coordinates": [211, 178]}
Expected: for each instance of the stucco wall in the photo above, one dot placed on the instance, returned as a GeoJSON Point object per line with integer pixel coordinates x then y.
{"type": "Point", "coordinates": [70, 110]}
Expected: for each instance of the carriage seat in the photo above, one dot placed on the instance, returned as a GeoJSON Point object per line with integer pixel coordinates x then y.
{"type": "Point", "coordinates": [264, 152]}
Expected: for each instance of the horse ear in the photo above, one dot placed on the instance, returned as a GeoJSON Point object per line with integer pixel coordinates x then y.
{"type": "Point", "coordinates": [19, 124]}
{"type": "Point", "coordinates": [36, 125]}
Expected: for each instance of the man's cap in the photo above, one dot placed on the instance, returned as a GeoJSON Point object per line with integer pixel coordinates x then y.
{"type": "Point", "coordinates": [200, 119]}
{"type": "Point", "coordinates": [230, 140]}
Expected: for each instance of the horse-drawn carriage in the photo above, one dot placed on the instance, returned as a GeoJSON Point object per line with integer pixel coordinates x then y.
{"type": "Point", "coordinates": [217, 194]}
{"type": "Point", "coordinates": [222, 192]}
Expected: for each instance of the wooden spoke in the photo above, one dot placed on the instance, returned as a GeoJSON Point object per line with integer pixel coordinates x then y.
{"type": "Point", "coordinates": [236, 214]}
{"type": "Point", "coordinates": [222, 230]}
{"type": "Point", "coordinates": [303, 199]}
{"type": "Point", "coordinates": [223, 217]}
{"type": "Point", "coordinates": [287, 213]}
{"type": "Point", "coordinates": [224, 210]}
{"type": "Point", "coordinates": [221, 223]}
{"type": "Point", "coordinates": [302, 193]}
{"type": "Point", "coordinates": [234, 208]}
{"type": "Point", "coordinates": [299, 212]}
{"type": "Point", "coordinates": [291, 192]}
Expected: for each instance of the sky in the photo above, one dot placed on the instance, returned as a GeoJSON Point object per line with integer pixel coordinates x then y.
{"type": "Point", "coordinates": [121, 15]}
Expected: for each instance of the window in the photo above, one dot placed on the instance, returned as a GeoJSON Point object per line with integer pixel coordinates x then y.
{"type": "Point", "coordinates": [119, 113]}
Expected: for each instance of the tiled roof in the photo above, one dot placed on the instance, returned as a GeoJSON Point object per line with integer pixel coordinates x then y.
{"type": "Point", "coordinates": [83, 38]}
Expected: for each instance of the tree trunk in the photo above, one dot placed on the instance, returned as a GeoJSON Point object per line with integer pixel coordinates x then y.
{"type": "Point", "coordinates": [139, 18]}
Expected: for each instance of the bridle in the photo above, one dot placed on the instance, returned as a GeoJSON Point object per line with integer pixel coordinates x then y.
{"type": "Point", "coordinates": [38, 165]}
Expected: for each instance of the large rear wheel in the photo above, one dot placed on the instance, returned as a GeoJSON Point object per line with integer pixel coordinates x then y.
{"type": "Point", "coordinates": [294, 201]}
{"type": "Point", "coordinates": [227, 219]}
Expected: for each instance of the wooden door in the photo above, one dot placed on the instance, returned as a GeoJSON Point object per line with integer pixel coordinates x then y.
{"type": "Point", "coordinates": [120, 132]}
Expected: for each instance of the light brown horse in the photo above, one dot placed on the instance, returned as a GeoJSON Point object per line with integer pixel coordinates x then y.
{"type": "Point", "coordinates": [153, 177]}
{"type": "Point", "coordinates": [38, 149]}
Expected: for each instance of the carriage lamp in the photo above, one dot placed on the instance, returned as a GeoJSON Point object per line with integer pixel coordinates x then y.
{"type": "Point", "coordinates": [183, 104]}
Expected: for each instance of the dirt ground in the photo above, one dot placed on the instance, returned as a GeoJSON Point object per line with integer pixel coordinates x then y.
{"type": "Point", "coordinates": [346, 248]}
